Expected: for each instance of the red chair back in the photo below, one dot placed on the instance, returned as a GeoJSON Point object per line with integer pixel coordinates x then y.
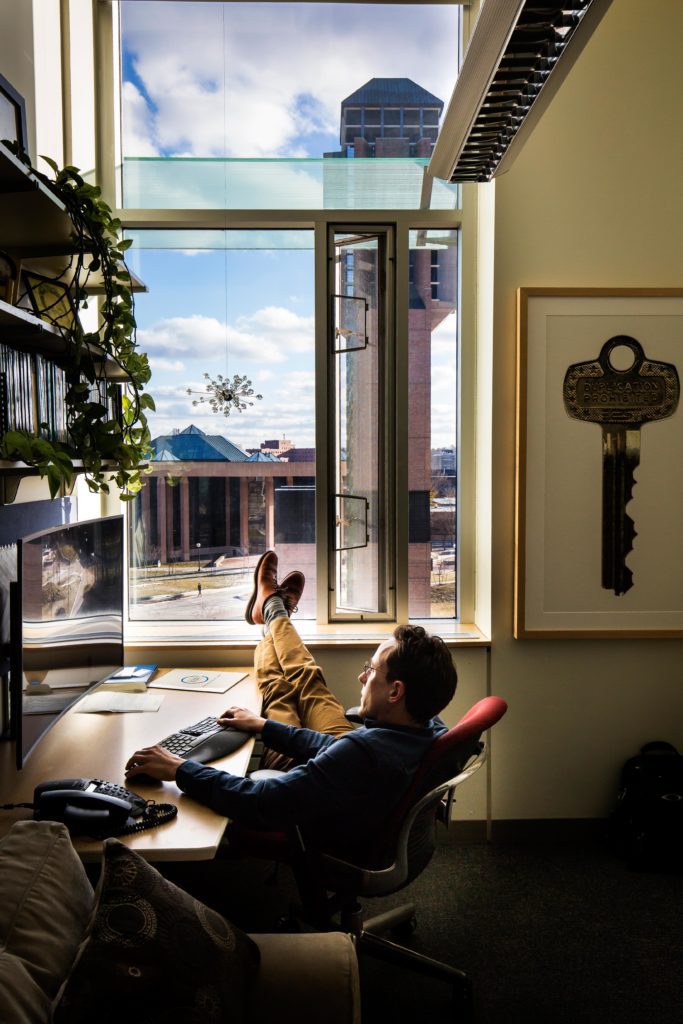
{"type": "Point", "coordinates": [445, 759]}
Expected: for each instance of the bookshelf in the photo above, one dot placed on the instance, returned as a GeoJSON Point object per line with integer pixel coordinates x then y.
{"type": "Point", "coordinates": [37, 233]}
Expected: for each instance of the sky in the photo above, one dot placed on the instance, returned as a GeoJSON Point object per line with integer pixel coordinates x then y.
{"type": "Point", "coordinates": [191, 87]}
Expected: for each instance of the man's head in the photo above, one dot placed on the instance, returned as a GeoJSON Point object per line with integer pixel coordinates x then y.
{"type": "Point", "coordinates": [410, 678]}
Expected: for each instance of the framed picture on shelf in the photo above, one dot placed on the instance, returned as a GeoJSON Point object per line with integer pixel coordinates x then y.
{"type": "Point", "coordinates": [12, 115]}
{"type": "Point", "coordinates": [50, 300]}
{"type": "Point", "coordinates": [599, 475]}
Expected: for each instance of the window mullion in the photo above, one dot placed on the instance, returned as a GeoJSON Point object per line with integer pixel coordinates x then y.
{"type": "Point", "coordinates": [401, 420]}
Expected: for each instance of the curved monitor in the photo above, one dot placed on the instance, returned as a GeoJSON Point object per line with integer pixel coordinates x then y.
{"type": "Point", "coordinates": [67, 621]}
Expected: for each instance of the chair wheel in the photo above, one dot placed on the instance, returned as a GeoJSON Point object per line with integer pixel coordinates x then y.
{"type": "Point", "coordinates": [405, 929]}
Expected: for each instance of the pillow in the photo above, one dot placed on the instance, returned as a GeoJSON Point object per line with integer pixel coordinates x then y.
{"type": "Point", "coordinates": [46, 903]}
{"type": "Point", "coordinates": [154, 953]}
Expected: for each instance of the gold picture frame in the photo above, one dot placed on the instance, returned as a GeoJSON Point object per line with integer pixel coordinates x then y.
{"type": "Point", "coordinates": [560, 590]}
{"type": "Point", "coordinates": [50, 300]}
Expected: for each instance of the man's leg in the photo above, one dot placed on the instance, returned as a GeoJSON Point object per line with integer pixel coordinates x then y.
{"type": "Point", "coordinates": [317, 708]}
{"type": "Point", "coordinates": [278, 693]}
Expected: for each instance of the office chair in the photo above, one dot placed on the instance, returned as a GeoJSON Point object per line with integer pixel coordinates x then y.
{"type": "Point", "coordinates": [329, 886]}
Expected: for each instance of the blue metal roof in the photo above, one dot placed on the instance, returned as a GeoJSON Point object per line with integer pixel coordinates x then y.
{"type": "Point", "coordinates": [193, 445]}
{"type": "Point", "coordinates": [263, 457]}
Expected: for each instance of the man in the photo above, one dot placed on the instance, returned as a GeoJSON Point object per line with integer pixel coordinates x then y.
{"type": "Point", "coordinates": [343, 782]}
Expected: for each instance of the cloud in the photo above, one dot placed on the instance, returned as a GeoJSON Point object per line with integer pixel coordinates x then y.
{"type": "Point", "coordinates": [289, 409]}
{"type": "Point", "coordinates": [285, 70]}
{"type": "Point", "coordinates": [270, 335]}
{"type": "Point", "coordinates": [138, 123]}
{"type": "Point", "coordinates": [292, 332]}
{"type": "Point", "coordinates": [166, 365]}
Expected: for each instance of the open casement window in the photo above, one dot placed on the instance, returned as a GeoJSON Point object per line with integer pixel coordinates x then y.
{"type": "Point", "coordinates": [361, 289]}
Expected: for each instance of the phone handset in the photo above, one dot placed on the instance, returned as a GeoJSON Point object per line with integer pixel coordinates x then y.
{"type": "Point", "coordinates": [97, 808]}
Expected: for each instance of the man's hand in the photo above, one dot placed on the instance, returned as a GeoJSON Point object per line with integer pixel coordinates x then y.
{"type": "Point", "coordinates": [155, 761]}
{"type": "Point", "coordinates": [242, 719]}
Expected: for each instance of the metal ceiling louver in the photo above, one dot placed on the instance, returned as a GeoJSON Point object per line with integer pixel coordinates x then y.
{"type": "Point", "coordinates": [519, 53]}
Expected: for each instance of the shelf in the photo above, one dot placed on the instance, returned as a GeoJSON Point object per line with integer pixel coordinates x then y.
{"type": "Point", "coordinates": [16, 177]}
{"type": "Point", "coordinates": [34, 221]}
{"type": "Point", "coordinates": [18, 327]}
{"type": "Point", "coordinates": [12, 473]}
{"type": "Point", "coordinates": [57, 266]}
{"type": "Point", "coordinates": [22, 326]}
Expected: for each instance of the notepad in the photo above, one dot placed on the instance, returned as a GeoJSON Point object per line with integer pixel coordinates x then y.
{"type": "Point", "coordinates": [133, 674]}
{"type": "Point", "coordinates": [194, 679]}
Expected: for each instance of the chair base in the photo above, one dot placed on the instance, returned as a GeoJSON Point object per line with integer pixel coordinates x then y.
{"type": "Point", "coordinates": [461, 985]}
{"type": "Point", "coordinates": [370, 941]}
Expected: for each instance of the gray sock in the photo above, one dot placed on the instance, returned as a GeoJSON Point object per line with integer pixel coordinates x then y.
{"type": "Point", "coordinates": [273, 608]}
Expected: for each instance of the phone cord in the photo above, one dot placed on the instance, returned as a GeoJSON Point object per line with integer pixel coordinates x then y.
{"type": "Point", "coordinates": [154, 814]}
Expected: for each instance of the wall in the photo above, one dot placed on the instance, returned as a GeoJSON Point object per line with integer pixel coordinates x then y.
{"type": "Point", "coordinates": [594, 199]}
{"type": "Point", "coordinates": [16, 56]}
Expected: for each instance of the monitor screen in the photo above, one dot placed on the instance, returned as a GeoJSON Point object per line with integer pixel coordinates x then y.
{"type": "Point", "coordinates": [67, 621]}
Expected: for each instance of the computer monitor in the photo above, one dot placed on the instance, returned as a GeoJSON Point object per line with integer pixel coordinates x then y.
{"type": "Point", "coordinates": [66, 612]}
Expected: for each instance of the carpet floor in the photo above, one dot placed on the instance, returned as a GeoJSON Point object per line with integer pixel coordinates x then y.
{"type": "Point", "coordinates": [549, 933]}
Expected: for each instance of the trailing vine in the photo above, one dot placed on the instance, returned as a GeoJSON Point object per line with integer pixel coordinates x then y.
{"type": "Point", "coordinates": [108, 445]}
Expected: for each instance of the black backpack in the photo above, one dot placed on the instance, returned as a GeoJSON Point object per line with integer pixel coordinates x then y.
{"type": "Point", "coordinates": [646, 826]}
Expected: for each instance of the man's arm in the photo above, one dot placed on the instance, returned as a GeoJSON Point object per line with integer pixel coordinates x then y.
{"type": "Point", "coordinates": [298, 743]}
{"type": "Point", "coordinates": [330, 784]}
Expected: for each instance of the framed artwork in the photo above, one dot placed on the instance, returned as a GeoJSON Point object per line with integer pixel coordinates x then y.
{"type": "Point", "coordinates": [12, 115]}
{"type": "Point", "coordinates": [599, 485]}
{"type": "Point", "coordinates": [50, 300]}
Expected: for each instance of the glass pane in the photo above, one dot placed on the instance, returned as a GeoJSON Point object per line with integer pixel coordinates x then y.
{"type": "Point", "coordinates": [216, 113]}
{"type": "Point", "coordinates": [224, 488]}
{"type": "Point", "coordinates": [432, 418]}
{"type": "Point", "coordinates": [358, 539]}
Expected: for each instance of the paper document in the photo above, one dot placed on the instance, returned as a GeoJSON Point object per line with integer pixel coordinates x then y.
{"type": "Point", "coordinates": [105, 700]}
{"type": "Point", "coordinates": [125, 686]}
{"type": "Point", "coordinates": [195, 679]}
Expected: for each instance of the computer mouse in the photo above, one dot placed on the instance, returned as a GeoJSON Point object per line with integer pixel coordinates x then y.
{"type": "Point", "coordinates": [143, 780]}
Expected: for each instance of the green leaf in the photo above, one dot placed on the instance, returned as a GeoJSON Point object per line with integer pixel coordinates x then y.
{"type": "Point", "coordinates": [51, 163]}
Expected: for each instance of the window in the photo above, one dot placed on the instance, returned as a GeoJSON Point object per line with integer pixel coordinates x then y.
{"type": "Point", "coordinates": [347, 463]}
{"type": "Point", "coordinates": [213, 501]}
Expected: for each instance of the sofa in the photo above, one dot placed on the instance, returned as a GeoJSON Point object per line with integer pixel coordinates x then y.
{"type": "Point", "coordinates": [137, 948]}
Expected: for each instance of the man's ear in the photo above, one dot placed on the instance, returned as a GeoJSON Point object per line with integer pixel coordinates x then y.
{"type": "Point", "coordinates": [397, 691]}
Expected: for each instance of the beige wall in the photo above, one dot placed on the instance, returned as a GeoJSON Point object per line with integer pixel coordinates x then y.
{"type": "Point", "coordinates": [594, 199]}
{"type": "Point", "coordinates": [16, 56]}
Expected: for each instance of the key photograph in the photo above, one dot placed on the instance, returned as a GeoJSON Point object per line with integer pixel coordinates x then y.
{"type": "Point", "coordinates": [599, 468]}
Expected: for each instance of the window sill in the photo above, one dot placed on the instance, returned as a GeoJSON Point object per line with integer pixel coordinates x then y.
{"type": "Point", "coordinates": [234, 635]}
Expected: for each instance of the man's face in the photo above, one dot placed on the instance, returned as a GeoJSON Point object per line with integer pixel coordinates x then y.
{"type": "Point", "coordinates": [375, 686]}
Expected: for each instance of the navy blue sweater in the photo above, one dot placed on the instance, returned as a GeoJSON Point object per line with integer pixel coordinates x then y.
{"type": "Point", "coordinates": [340, 793]}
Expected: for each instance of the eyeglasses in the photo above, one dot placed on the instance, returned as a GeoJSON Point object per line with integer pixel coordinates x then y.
{"type": "Point", "coordinates": [367, 667]}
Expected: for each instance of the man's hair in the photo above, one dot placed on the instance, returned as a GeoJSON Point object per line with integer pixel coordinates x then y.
{"type": "Point", "coordinates": [424, 664]}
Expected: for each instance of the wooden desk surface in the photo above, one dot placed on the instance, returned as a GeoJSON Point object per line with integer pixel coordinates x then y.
{"type": "Point", "coordinates": [98, 746]}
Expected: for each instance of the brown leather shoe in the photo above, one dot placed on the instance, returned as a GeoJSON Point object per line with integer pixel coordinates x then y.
{"type": "Point", "coordinates": [265, 585]}
{"type": "Point", "coordinates": [290, 589]}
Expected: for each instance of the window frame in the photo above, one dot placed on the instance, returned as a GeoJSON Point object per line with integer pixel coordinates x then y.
{"type": "Point", "coordinates": [321, 222]}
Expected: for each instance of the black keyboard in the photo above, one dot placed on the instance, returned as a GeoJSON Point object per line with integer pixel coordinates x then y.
{"type": "Point", "coordinates": [204, 741]}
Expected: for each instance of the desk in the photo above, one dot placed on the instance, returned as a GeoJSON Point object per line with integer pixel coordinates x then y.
{"type": "Point", "coordinates": [98, 746]}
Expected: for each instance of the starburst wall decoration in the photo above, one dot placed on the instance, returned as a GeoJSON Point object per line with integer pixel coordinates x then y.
{"type": "Point", "coordinates": [224, 394]}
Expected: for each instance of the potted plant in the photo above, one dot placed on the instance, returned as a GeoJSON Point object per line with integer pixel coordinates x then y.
{"type": "Point", "coordinates": [106, 445]}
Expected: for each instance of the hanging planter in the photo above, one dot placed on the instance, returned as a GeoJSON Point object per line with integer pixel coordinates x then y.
{"type": "Point", "coordinates": [106, 445]}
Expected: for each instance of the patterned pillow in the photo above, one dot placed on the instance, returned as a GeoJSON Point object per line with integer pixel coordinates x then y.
{"type": "Point", "coordinates": [153, 953]}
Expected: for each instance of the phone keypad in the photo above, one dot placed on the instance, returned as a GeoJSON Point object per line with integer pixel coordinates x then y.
{"type": "Point", "coordinates": [111, 789]}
